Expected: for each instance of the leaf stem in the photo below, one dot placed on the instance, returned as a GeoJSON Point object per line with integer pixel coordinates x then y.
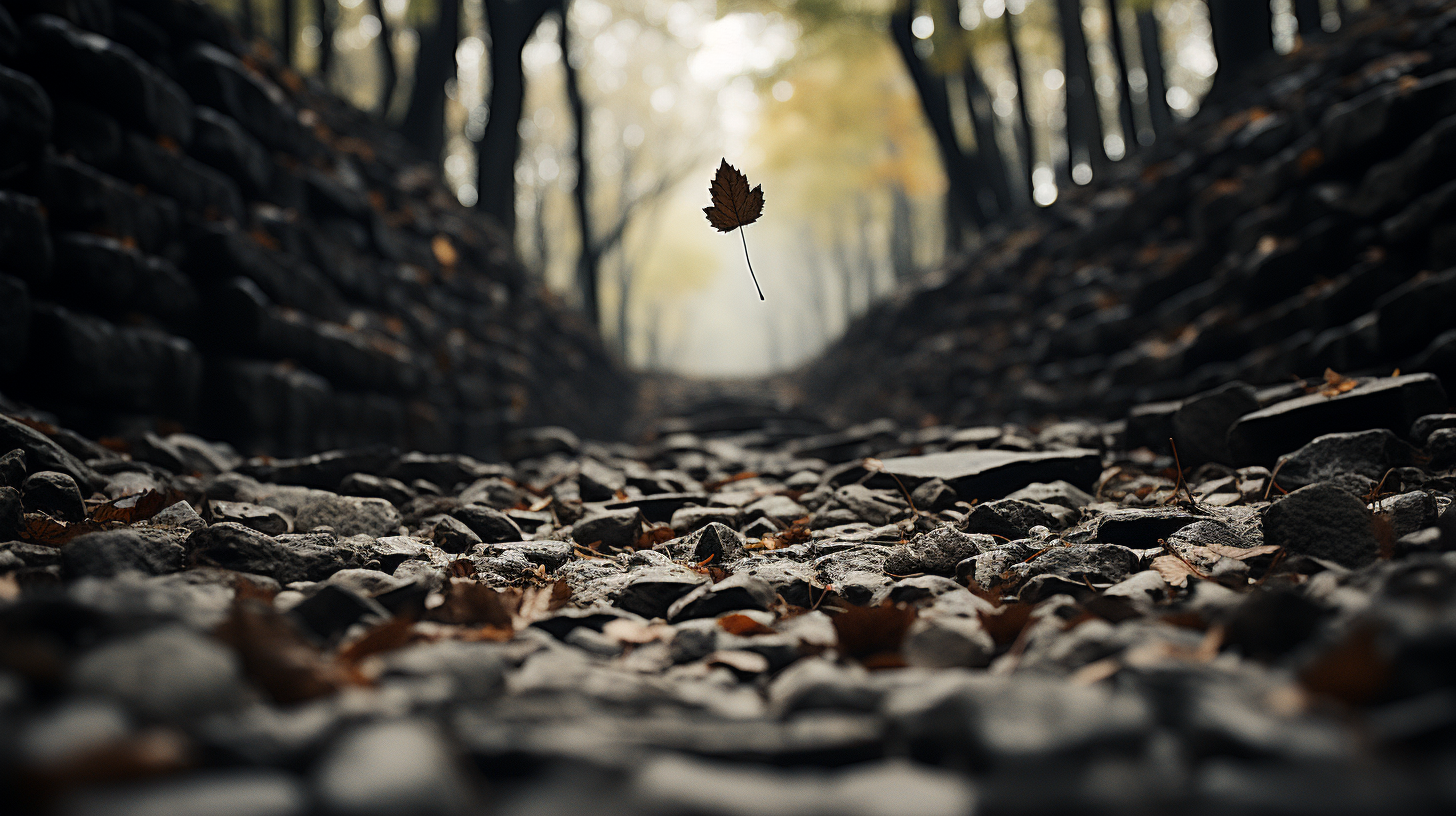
{"type": "Point", "coordinates": [750, 264]}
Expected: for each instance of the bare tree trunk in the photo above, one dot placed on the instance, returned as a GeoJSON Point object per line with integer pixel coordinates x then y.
{"type": "Point", "coordinates": [1027, 135]}
{"type": "Point", "coordinates": [511, 23]}
{"type": "Point", "coordinates": [963, 201]}
{"type": "Point", "coordinates": [324, 20]}
{"type": "Point", "coordinates": [1124, 87]}
{"type": "Point", "coordinates": [902, 235]}
{"type": "Point", "coordinates": [285, 37]}
{"type": "Point", "coordinates": [1243, 33]}
{"type": "Point", "coordinates": [588, 262]}
{"type": "Point", "coordinates": [1150, 35]}
{"type": "Point", "coordinates": [1307, 13]}
{"type": "Point", "coordinates": [245, 19]}
{"type": "Point", "coordinates": [424, 120]}
{"type": "Point", "coordinates": [1084, 119]}
{"type": "Point", "coordinates": [983, 122]}
{"type": "Point", "coordinates": [386, 54]}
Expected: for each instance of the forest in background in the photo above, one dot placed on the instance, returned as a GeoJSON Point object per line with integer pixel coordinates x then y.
{"type": "Point", "coordinates": [887, 133]}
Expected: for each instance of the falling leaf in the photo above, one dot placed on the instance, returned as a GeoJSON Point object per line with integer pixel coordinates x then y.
{"type": "Point", "coordinates": [735, 206]}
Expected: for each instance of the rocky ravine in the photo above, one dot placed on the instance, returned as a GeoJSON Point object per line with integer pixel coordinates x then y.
{"type": "Point", "coordinates": [739, 619]}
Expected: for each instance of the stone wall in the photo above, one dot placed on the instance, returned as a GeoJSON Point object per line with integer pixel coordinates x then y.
{"type": "Point", "coordinates": [1303, 225]}
{"type": "Point", "coordinates": [192, 237]}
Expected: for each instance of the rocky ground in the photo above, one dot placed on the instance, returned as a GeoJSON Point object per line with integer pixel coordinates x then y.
{"type": "Point", "coordinates": [749, 614]}
{"type": "Point", "coordinates": [1302, 222]}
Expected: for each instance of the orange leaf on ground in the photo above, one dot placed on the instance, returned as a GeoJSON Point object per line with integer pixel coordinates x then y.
{"type": "Point", "coordinates": [743, 625]}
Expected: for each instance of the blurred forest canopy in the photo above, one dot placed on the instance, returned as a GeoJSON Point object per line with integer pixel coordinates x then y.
{"type": "Point", "coordinates": [885, 132]}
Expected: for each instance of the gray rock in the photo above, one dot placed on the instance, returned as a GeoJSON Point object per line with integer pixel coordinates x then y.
{"type": "Point", "coordinates": [1099, 563]}
{"type": "Point", "coordinates": [477, 670]}
{"type": "Point", "coordinates": [779, 509]}
{"type": "Point", "coordinates": [171, 673]}
{"type": "Point", "coordinates": [1202, 422]}
{"type": "Point", "coordinates": [688, 519]}
{"type": "Point", "coordinates": [1392, 403]}
{"type": "Point", "coordinates": [494, 492]}
{"type": "Point", "coordinates": [392, 551]}
{"type": "Point", "coordinates": [936, 552]}
{"type": "Point", "coordinates": [243, 792]}
{"type": "Point", "coordinates": [1422, 428]}
{"type": "Point", "coordinates": [367, 486]}
{"type": "Point", "coordinates": [490, 524]}
{"type": "Point", "coordinates": [111, 552]}
{"type": "Point", "coordinates": [652, 591]}
{"type": "Point", "coordinates": [12, 469]}
{"type": "Point", "coordinates": [1325, 522]}
{"type": "Point", "coordinates": [235, 547]}
{"type": "Point", "coordinates": [43, 454]}
{"type": "Point", "coordinates": [179, 516]}
{"type": "Point", "coordinates": [612, 529]}
{"type": "Point", "coordinates": [266, 520]}
{"type": "Point", "coordinates": [946, 641]}
{"type": "Point", "coordinates": [790, 580]}
{"type": "Point", "coordinates": [1409, 512]}
{"type": "Point", "coordinates": [715, 541]}
{"type": "Point", "coordinates": [333, 608]}
{"type": "Point", "coordinates": [452, 535]}
{"type": "Point", "coordinates": [1058, 493]}
{"type": "Point", "coordinates": [12, 513]}
{"type": "Point", "coordinates": [1365, 453]}
{"type": "Point", "coordinates": [1140, 528]}
{"type": "Point", "coordinates": [551, 554]}
{"type": "Point", "coordinates": [991, 474]}
{"type": "Point", "coordinates": [348, 515]}
{"type": "Point", "coordinates": [1441, 446]}
{"type": "Point", "coordinates": [392, 769]}
{"type": "Point", "coordinates": [1010, 519]}
{"type": "Point", "coordinates": [54, 494]}
{"type": "Point", "coordinates": [733, 592]}
{"type": "Point", "coordinates": [934, 496]}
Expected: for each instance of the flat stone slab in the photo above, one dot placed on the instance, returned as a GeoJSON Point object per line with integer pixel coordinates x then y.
{"type": "Point", "coordinates": [992, 474]}
{"type": "Point", "coordinates": [1392, 403]}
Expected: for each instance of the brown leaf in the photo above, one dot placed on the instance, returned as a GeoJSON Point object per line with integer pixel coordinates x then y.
{"type": "Point", "coordinates": [386, 637]}
{"type": "Point", "coordinates": [1175, 571]}
{"type": "Point", "coordinates": [869, 633]}
{"type": "Point", "coordinates": [1005, 625]}
{"type": "Point", "coordinates": [136, 507]}
{"type": "Point", "coordinates": [655, 533]}
{"type": "Point", "coordinates": [734, 205]}
{"type": "Point", "coordinates": [1336, 384]}
{"type": "Point", "coordinates": [278, 658]}
{"type": "Point", "coordinates": [537, 603]}
{"type": "Point", "coordinates": [444, 251]}
{"type": "Point", "coordinates": [1355, 670]}
{"type": "Point", "coordinates": [468, 602]}
{"type": "Point", "coordinates": [743, 625]}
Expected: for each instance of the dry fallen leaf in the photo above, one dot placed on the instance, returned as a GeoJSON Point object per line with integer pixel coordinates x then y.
{"type": "Point", "coordinates": [873, 634]}
{"type": "Point", "coordinates": [278, 658]}
{"type": "Point", "coordinates": [1336, 384]}
{"type": "Point", "coordinates": [743, 625]}
{"type": "Point", "coordinates": [735, 206]}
